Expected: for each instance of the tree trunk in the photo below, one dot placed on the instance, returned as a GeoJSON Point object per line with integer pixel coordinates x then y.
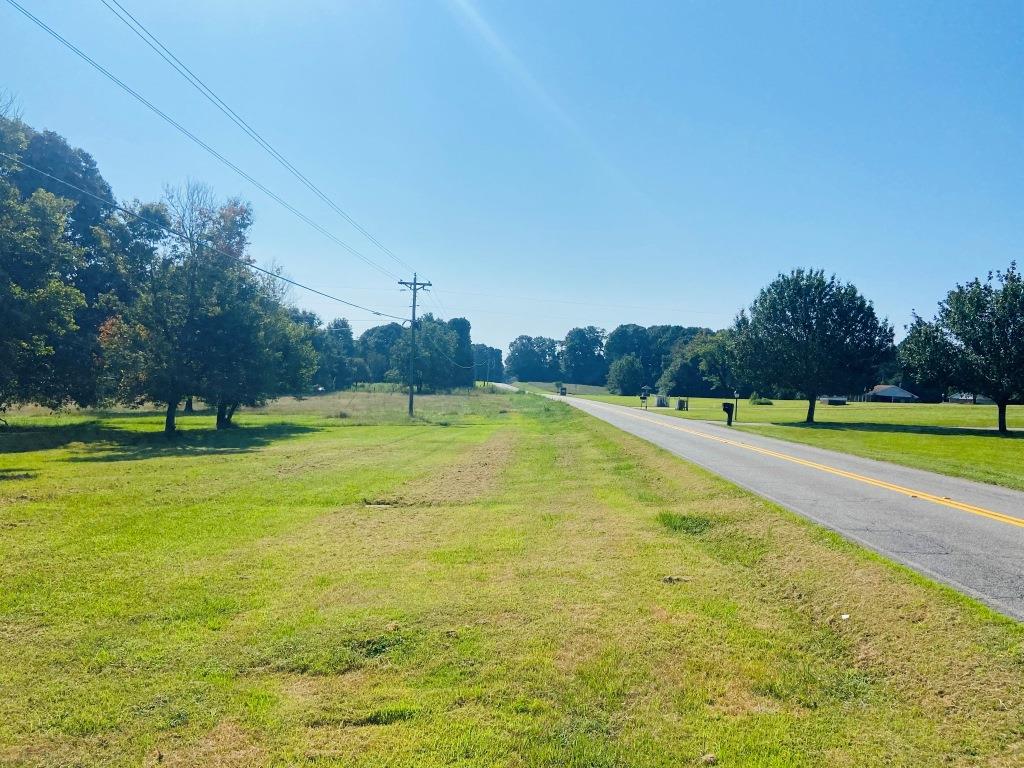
{"type": "Point", "coordinates": [811, 403]}
{"type": "Point", "coordinates": [1002, 416]}
{"type": "Point", "coordinates": [231, 412]}
{"type": "Point", "coordinates": [222, 417]}
{"type": "Point", "coordinates": [172, 411]}
{"type": "Point", "coordinates": [188, 410]}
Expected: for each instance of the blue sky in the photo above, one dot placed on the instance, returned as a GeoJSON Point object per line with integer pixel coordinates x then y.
{"type": "Point", "coordinates": [556, 164]}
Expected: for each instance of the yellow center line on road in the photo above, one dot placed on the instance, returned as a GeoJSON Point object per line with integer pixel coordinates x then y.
{"type": "Point", "coordinates": [914, 494]}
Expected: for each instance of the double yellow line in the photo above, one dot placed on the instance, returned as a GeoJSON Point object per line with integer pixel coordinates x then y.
{"type": "Point", "coordinates": [910, 492]}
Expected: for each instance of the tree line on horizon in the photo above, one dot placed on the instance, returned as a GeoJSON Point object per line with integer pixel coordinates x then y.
{"type": "Point", "coordinates": [101, 304]}
{"type": "Point", "coordinates": [806, 335]}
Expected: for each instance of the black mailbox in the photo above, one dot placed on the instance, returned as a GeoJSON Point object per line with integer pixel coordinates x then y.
{"type": "Point", "coordinates": [727, 407]}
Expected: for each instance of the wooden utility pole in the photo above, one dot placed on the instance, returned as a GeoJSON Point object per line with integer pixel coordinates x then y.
{"type": "Point", "coordinates": [414, 286]}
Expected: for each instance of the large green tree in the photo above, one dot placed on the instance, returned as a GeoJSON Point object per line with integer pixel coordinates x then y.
{"type": "Point", "coordinates": [811, 333]}
{"type": "Point", "coordinates": [533, 358]}
{"type": "Point", "coordinates": [715, 354]}
{"type": "Point", "coordinates": [626, 375]}
{"type": "Point", "coordinates": [435, 366]}
{"type": "Point", "coordinates": [202, 323]}
{"type": "Point", "coordinates": [488, 364]}
{"type": "Point", "coordinates": [462, 359]}
{"type": "Point", "coordinates": [337, 366]}
{"type": "Point", "coordinates": [37, 304]}
{"type": "Point", "coordinates": [629, 339]}
{"type": "Point", "coordinates": [701, 365]}
{"type": "Point", "coordinates": [976, 340]}
{"type": "Point", "coordinates": [582, 356]}
{"type": "Point", "coordinates": [376, 346]}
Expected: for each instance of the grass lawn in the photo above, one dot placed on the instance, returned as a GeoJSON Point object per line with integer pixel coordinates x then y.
{"type": "Point", "coordinates": [506, 581]}
{"type": "Point", "coordinates": [949, 438]}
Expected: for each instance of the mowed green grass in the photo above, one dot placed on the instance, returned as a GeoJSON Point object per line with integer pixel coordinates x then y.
{"type": "Point", "coordinates": [504, 582]}
{"type": "Point", "coordinates": [953, 439]}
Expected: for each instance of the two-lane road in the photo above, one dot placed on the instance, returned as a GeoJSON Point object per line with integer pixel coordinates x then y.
{"type": "Point", "coordinates": [966, 534]}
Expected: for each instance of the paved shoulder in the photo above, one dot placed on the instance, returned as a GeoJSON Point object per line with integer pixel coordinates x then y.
{"type": "Point", "coordinates": [966, 534]}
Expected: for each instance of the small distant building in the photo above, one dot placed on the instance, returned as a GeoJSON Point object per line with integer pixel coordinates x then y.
{"type": "Point", "coordinates": [967, 397]}
{"type": "Point", "coordinates": [832, 400]}
{"type": "Point", "coordinates": [889, 393]}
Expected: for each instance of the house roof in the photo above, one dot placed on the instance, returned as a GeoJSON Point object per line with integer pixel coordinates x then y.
{"type": "Point", "coordinates": [891, 390]}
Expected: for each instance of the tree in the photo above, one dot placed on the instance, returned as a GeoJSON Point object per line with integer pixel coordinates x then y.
{"type": "Point", "coordinates": [533, 358]}
{"type": "Point", "coordinates": [926, 357]}
{"type": "Point", "coordinates": [629, 339]}
{"type": "Point", "coordinates": [701, 366]}
{"type": "Point", "coordinates": [376, 345]}
{"type": "Point", "coordinates": [626, 376]}
{"type": "Point", "coordinates": [715, 354]}
{"type": "Point", "coordinates": [335, 347]}
{"type": "Point", "coordinates": [664, 339]}
{"type": "Point", "coordinates": [976, 340]}
{"type": "Point", "coordinates": [462, 359]}
{"type": "Point", "coordinates": [811, 334]}
{"type": "Point", "coordinates": [103, 240]}
{"type": "Point", "coordinates": [487, 363]}
{"type": "Point", "coordinates": [251, 350]}
{"type": "Point", "coordinates": [146, 346]}
{"type": "Point", "coordinates": [582, 356]}
{"type": "Point", "coordinates": [37, 305]}
{"type": "Point", "coordinates": [436, 345]}
{"type": "Point", "coordinates": [202, 323]}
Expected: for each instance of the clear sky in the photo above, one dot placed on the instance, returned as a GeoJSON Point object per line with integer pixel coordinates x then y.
{"type": "Point", "coordinates": [556, 164]}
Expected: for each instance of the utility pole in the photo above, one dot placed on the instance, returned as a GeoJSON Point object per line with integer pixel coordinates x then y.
{"type": "Point", "coordinates": [414, 286]}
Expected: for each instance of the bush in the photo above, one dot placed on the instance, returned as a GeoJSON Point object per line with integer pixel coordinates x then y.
{"type": "Point", "coordinates": [756, 399]}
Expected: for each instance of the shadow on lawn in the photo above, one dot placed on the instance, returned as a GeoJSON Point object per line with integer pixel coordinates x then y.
{"type": "Point", "coordinates": [911, 429]}
{"type": "Point", "coordinates": [103, 442]}
{"type": "Point", "coordinates": [16, 473]}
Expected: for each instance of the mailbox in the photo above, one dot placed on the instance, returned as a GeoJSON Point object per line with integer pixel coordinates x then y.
{"type": "Point", "coordinates": [727, 407]}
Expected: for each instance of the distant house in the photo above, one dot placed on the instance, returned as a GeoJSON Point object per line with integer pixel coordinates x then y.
{"type": "Point", "coordinates": [888, 393]}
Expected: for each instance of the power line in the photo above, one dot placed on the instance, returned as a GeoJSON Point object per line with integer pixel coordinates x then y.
{"type": "Point", "coordinates": [543, 300]}
{"type": "Point", "coordinates": [193, 137]}
{"type": "Point", "coordinates": [181, 236]}
{"type": "Point", "coordinates": [181, 68]}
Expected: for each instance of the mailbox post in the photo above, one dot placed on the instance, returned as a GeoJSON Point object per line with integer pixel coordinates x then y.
{"type": "Point", "coordinates": [645, 392]}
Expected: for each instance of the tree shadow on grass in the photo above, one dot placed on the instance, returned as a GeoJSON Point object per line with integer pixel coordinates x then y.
{"type": "Point", "coordinates": [103, 442]}
{"type": "Point", "coordinates": [910, 429]}
{"type": "Point", "coordinates": [16, 473]}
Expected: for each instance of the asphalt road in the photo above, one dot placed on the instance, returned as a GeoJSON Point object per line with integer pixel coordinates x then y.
{"type": "Point", "coordinates": [968, 535]}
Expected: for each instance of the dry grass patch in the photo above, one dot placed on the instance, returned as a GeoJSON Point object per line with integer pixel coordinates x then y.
{"type": "Point", "coordinates": [227, 745]}
{"type": "Point", "coordinates": [469, 479]}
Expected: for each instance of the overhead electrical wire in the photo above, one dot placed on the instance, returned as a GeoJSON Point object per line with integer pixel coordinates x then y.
{"type": "Point", "coordinates": [181, 236]}
{"type": "Point", "coordinates": [193, 137]}
{"type": "Point", "coordinates": [136, 26]}
{"type": "Point", "coordinates": [544, 300]}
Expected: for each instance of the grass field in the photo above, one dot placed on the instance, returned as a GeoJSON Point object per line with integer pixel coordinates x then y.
{"type": "Point", "coordinates": [503, 582]}
{"type": "Point", "coordinates": [953, 439]}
